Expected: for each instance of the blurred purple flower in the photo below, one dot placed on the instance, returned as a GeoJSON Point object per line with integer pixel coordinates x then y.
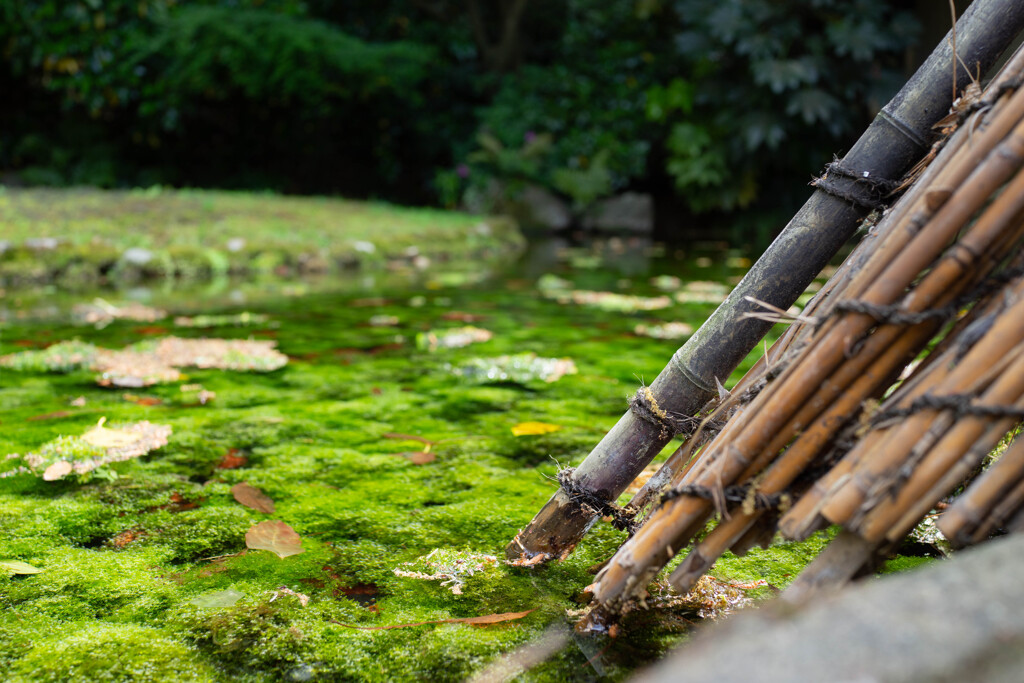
{"type": "Point", "coordinates": [529, 137]}
{"type": "Point", "coordinates": [462, 171]}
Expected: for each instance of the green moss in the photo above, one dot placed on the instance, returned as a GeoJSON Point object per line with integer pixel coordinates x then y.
{"type": "Point", "coordinates": [123, 560]}
{"type": "Point", "coordinates": [100, 652]}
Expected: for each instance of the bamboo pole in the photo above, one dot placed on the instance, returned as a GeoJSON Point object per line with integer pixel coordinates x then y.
{"type": "Point", "coordinates": [1004, 512]}
{"type": "Point", "coordinates": [894, 142]}
{"type": "Point", "coordinates": [804, 517]}
{"type": "Point", "coordinates": [802, 452]}
{"type": "Point", "coordinates": [839, 562]}
{"type": "Point", "coordinates": [969, 511]}
{"type": "Point", "coordinates": [938, 176]}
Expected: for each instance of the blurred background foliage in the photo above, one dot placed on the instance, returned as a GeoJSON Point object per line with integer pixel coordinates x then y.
{"type": "Point", "coordinates": [709, 105]}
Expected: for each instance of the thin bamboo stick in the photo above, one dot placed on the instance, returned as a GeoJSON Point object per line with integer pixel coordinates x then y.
{"type": "Point", "coordinates": [969, 510]}
{"type": "Point", "coordinates": [1004, 510]}
{"type": "Point", "coordinates": [800, 454]}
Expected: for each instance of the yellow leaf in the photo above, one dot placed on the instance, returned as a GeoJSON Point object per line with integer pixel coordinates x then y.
{"type": "Point", "coordinates": [533, 428]}
{"type": "Point", "coordinates": [109, 438]}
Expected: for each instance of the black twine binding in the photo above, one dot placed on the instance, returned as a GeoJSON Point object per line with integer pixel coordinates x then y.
{"type": "Point", "coordinates": [897, 315]}
{"type": "Point", "coordinates": [960, 404]}
{"type": "Point", "coordinates": [894, 315]}
{"type": "Point", "coordinates": [736, 494]}
{"type": "Point", "coordinates": [857, 187]}
{"type": "Point", "coordinates": [621, 518]}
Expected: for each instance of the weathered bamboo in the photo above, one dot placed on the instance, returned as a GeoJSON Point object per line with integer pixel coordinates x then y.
{"type": "Point", "coordinates": [642, 557]}
{"type": "Point", "coordinates": [804, 450]}
{"type": "Point", "coordinates": [894, 142]}
{"type": "Point", "coordinates": [804, 517]}
{"type": "Point", "coordinates": [945, 483]}
{"type": "Point", "coordinates": [969, 511]}
{"type": "Point", "coordinates": [839, 562]}
{"type": "Point", "coordinates": [1005, 512]}
{"type": "Point", "coordinates": [950, 461]}
{"type": "Point", "coordinates": [996, 219]}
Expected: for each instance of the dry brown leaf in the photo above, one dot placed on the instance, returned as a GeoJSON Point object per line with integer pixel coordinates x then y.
{"type": "Point", "coordinates": [421, 457]}
{"type": "Point", "coordinates": [275, 536]}
{"type": "Point", "coordinates": [252, 497]}
{"type": "Point", "coordinates": [232, 460]}
{"type": "Point", "coordinates": [50, 416]}
{"type": "Point", "coordinates": [473, 621]}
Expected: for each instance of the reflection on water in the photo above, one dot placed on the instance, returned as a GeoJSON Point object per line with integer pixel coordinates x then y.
{"type": "Point", "coordinates": [620, 264]}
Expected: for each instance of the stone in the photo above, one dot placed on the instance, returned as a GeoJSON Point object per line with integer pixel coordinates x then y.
{"type": "Point", "coordinates": [629, 211]}
{"type": "Point", "coordinates": [960, 619]}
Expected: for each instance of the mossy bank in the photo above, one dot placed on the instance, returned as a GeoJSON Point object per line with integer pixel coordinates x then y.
{"type": "Point", "coordinates": [85, 237]}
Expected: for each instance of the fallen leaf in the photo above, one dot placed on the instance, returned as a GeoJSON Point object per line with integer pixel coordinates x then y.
{"type": "Point", "coordinates": [150, 330]}
{"type": "Point", "coordinates": [178, 504]}
{"type": "Point", "coordinates": [124, 538]}
{"type": "Point", "coordinates": [473, 621]}
{"type": "Point", "coordinates": [534, 428]}
{"type": "Point", "coordinates": [252, 497]}
{"type": "Point", "coordinates": [58, 470]}
{"type": "Point", "coordinates": [13, 567]}
{"type": "Point", "coordinates": [420, 457]}
{"type": "Point", "coordinates": [110, 438]}
{"type": "Point", "coordinates": [275, 536]}
{"type": "Point", "coordinates": [284, 590]}
{"type": "Point", "coordinates": [232, 460]}
{"type": "Point", "coordinates": [142, 400]}
{"type": "Point", "coordinates": [50, 416]}
{"type": "Point", "coordinates": [462, 317]}
{"type": "Point", "coordinates": [97, 447]}
{"type": "Point", "coordinates": [224, 598]}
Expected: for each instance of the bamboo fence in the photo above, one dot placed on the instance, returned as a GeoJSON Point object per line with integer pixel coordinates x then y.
{"type": "Point", "coordinates": [888, 148]}
{"type": "Point", "coordinates": [886, 396]}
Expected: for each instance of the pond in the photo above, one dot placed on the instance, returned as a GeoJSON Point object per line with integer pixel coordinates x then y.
{"type": "Point", "coordinates": [381, 441]}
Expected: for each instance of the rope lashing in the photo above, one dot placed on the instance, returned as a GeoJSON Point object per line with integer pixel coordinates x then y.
{"type": "Point", "coordinates": [621, 518]}
{"type": "Point", "coordinates": [645, 406]}
{"type": "Point", "coordinates": [857, 187]}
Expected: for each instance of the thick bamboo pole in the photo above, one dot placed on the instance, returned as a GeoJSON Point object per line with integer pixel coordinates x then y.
{"type": "Point", "coordinates": [895, 141]}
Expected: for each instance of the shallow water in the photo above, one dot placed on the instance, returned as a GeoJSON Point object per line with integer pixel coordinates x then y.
{"type": "Point", "coordinates": [327, 438]}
